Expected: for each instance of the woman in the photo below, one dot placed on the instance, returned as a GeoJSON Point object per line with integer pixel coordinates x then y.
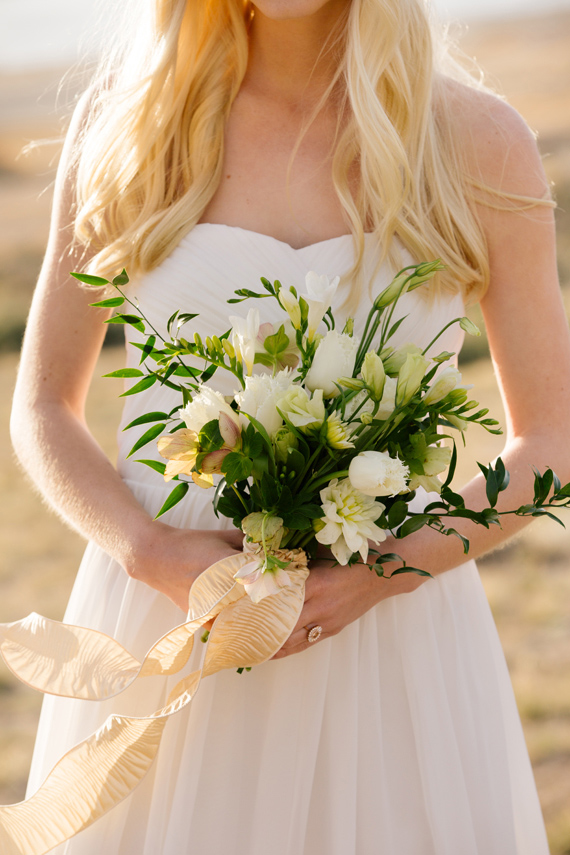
{"type": "Point", "coordinates": [397, 731]}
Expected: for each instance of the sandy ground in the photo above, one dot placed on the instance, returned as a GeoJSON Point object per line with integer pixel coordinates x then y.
{"type": "Point", "coordinates": [528, 582]}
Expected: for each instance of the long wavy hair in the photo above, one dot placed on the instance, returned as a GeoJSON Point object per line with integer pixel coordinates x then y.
{"type": "Point", "coordinates": [150, 157]}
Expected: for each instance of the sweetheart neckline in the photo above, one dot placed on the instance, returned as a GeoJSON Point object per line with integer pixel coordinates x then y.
{"type": "Point", "coordinates": [271, 238]}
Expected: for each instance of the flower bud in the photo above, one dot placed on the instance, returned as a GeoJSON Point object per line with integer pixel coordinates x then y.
{"type": "Point", "coordinates": [291, 305]}
{"type": "Point", "coordinates": [374, 375]}
{"type": "Point", "coordinates": [366, 418]}
{"type": "Point", "coordinates": [394, 362]}
{"type": "Point", "coordinates": [283, 440]}
{"type": "Point", "coordinates": [410, 378]}
{"type": "Point", "coordinates": [469, 327]}
{"type": "Point", "coordinates": [230, 431]}
{"type": "Point", "coordinates": [425, 272]}
{"type": "Point", "coordinates": [394, 290]}
{"type": "Point", "coordinates": [448, 380]}
{"type": "Point", "coordinates": [375, 473]}
{"type": "Point", "coordinates": [229, 348]}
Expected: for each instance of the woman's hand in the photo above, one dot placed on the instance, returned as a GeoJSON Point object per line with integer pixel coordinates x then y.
{"type": "Point", "coordinates": [170, 559]}
{"type": "Point", "coordinates": [335, 596]}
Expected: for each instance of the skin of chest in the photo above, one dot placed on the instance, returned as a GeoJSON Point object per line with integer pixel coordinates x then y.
{"type": "Point", "coordinates": [263, 188]}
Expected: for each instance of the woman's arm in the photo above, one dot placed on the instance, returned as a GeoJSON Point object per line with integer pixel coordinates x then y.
{"type": "Point", "coordinates": [52, 441]}
{"type": "Point", "coordinates": [530, 346]}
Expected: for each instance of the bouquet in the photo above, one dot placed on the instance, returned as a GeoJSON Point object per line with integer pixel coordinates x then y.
{"type": "Point", "coordinates": [324, 442]}
{"type": "Point", "coordinates": [329, 434]}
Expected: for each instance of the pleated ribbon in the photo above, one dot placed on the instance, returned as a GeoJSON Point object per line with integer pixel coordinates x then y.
{"type": "Point", "coordinates": [71, 661]}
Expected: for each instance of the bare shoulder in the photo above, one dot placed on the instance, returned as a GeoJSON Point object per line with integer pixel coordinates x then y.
{"type": "Point", "coordinates": [499, 148]}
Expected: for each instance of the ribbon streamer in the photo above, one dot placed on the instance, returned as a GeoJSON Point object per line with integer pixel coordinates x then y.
{"type": "Point", "coordinates": [75, 662]}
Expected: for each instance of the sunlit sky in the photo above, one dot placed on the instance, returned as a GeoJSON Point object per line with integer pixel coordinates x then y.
{"type": "Point", "coordinates": [39, 33]}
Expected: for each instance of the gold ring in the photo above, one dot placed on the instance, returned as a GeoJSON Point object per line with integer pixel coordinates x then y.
{"type": "Point", "coordinates": [314, 633]}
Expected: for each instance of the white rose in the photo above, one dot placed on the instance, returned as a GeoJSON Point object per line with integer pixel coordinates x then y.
{"type": "Point", "coordinates": [204, 407]}
{"type": "Point", "coordinates": [375, 473]}
{"type": "Point", "coordinates": [334, 358]}
{"type": "Point", "coordinates": [260, 396]}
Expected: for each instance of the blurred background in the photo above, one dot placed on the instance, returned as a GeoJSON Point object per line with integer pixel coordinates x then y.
{"type": "Point", "coordinates": [524, 48]}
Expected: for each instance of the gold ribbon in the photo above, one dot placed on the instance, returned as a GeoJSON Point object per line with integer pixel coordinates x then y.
{"type": "Point", "coordinates": [75, 662]}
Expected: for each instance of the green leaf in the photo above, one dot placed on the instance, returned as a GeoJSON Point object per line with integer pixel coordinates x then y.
{"type": "Point", "coordinates": [154, 464]}
{"type": "Point", "coordinates": [87, 279]}
{"type": "Point", "coordinates": [121, 279]}
{"type": "Point", "coordinates": [111, 303]}
{"type": "Point", "coordinates": [131, 320]}
{"type": "Point", "coordinates": [156, 416]}
{"type": "Point", "coordinates": [210, 437]}
{"type": "Point", "coordinates": [397, 514]}
{"type": "Point", "coordinates": [143, 384]}
{"type": "Point", "coordinates": [278, 342]}
{"type": "Point", "coordinates": [147, 348]}
{"type": "Point", "coordinates": [413, 524]}
{"type": "Point", "coordinates": [170, 321]}
{"type": "Point", "coordinates": [452, 466]}
{"type": "Point", "coordinates": [147, 437]}
{"type": "Point", "coordinates": [218, 495]}
{"type": "Point", "coordinates": [455, 533]}
{"type": "Point", "coordinates": [236, 467]}
{"type": "Point", "coordinates": [126, 372]}
{"type": "Point", "coordinates": [175, 496]}
{"type": "Point", "coordinates": [492, 487]}
{"type": "Point", "coordinates": [408, 569]}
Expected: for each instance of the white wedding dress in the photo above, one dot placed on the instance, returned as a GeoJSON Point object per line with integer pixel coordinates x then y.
{"type": "Point", "coordinates": [399, 736]}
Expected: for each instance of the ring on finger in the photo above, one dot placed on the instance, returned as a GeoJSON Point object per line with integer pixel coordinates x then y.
{"type": "Point", "coordinates": [314, 632]}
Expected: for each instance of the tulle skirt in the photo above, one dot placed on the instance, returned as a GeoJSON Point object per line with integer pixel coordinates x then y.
{"type": "Point", "coordinates": [398, 736]}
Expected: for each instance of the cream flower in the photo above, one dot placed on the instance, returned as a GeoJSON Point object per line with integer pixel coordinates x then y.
{"type": "Point", "coordinates": [444, 383]}
{"type": "Point", "coordinates": [320, 294]}
{"type": "Point", "coordinates": [333, 359]}
{"type": "Point", "coordinates": [261, 396]}
{"type": "Point", "coordinates": [338, 433]}
{"type": "Point", "coordinates": [204, 407]}
{"type": "Point", "coordinates": [259, 582]}
{"type": "Point", "coordinates": [244, 336]}
{"type": "Point", "coordinates": [181, 450]}
{"type": "Point", "coordinates": [375, 473]}
{"type": "Point", "coordinates": [302, 411]}
{"type": "Point", "coordinates": [435, 460]}
{"type": "Point", "coordinates": [348, 522]}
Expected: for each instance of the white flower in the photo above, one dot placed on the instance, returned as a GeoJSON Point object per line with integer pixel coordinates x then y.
{"type": "Point", "coordinates": [320, 294]}
{"type": "Point", "coordinates": [302, 411]}
{"type": "Point", "coordinates": [260, 583]}
{"type": "Point", "coordinates": [204, 407]}
{"type": "Point", "coordinates": [348, 522]}
{"type": "Point", "coordinates": [244, 335]}
{"type": "Point", "coordinates": [260, 396]}
{"type": "Point", "coordinates": [443, 384]}
{"type": "Point", "coordinates": [375, 473]}
{"type": "Point", "coordinates": [334, 358]}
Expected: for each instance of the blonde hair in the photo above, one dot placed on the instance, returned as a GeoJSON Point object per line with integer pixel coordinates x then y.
{"type": "Point", "coordinates": [150, 158]}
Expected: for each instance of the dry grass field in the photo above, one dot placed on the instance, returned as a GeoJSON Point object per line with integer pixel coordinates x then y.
{"type": "Point", "coordinates": [528, 581]}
